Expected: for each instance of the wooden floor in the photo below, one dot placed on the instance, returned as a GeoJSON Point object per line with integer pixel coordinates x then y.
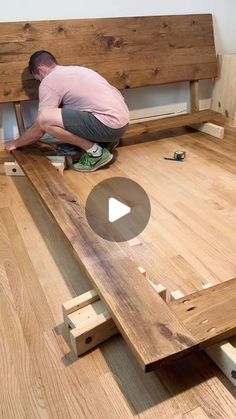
{"type": "Point", "coordinates": [189, 241]}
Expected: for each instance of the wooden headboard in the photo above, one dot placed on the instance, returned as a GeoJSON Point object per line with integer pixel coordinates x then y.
{"type": "Point", "coordinates": [128, 51]}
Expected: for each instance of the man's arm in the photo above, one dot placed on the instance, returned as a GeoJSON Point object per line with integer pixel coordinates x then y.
{"type": "Point", "coordinates": [30, 136]}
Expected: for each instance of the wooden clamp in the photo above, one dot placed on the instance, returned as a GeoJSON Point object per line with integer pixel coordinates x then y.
{"type": "Point", "coordinates": [87, 322]}
{"type": "Point", "coordinates": [223, 354]}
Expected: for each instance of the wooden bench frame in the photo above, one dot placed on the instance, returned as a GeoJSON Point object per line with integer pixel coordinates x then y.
{"type": "Point", "coordinates": [166, 335]}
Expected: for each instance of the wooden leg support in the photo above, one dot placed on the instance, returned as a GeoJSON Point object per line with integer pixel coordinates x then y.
{"type": "Point", "coordinates": [223, 353]}
{"type": "Point", "coordinates": [87, 322]}
{"type": "Point", "coordinates": [211, 129]}
{"type": "Point", "coordinates": [13, 168]}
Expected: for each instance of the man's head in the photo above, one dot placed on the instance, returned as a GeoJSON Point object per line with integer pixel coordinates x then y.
{"type": "Point", "coordinates": [41, 63]}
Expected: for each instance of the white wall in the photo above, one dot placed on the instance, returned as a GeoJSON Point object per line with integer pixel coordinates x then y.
{"type": "Point", "coordinates": [142, 102]}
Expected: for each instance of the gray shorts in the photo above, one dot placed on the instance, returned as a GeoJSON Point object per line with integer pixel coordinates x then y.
{"type": "Point", "coordinates": [86, 125]}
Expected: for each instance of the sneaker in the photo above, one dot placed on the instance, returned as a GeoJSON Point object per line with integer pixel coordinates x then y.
{"type": "Point", "coordinates": [110, 146]}
{"type": "Point", "coordinates": [89, 163]}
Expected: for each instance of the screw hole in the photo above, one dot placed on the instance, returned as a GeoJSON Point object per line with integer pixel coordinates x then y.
{"type": "Point", "coordinates": [88, 340]}
{"type": "Point", "coordinates": [185, 301]}
{"type": "Point", "coordinates": [190, 309]}
{"type": "Point", "coordinates": [14, 170]}
{"type": "Point", "coordinates": [212, 329]}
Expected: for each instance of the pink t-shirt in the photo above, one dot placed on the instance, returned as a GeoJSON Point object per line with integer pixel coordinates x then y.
{"type": "Point", "coordinates": [83, 89]}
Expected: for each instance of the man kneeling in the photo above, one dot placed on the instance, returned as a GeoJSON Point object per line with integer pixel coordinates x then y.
{"type": "Point", "coordinates": [76, 106]}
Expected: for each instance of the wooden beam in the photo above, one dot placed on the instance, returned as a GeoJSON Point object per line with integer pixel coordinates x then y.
{"type": "Point", "coordinates": [144, 319]}
{"type": "Point", "coordinates": [194, 95]}
{"type": "Point", "coordinates": [209, 314]}
{"type": "Point", "coordinates": [171, 122]}
{"type": "Point", "coordinates": [222, 353]}
{"type": "Point", "coordinates": [19, 118]}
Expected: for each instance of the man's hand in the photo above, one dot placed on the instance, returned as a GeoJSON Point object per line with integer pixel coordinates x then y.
{"type": "Point", "coordinates": [10, 146]}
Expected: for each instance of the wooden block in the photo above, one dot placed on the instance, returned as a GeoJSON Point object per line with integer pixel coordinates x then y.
{"type": "Point", "coordinates": [224, 356]}
{"type": "Point", "coordinates": [13, 169]}
{"type": "Point", "coordinates": [175, 295]}
{"type": "Point", "coordinates": [142, 270]}
{"type": "Point", "coordinates": [211, 129]}
{"type": "Point", "coordinates": [59, 167]}
{"type": "Point", "coordinates": [159, 288]}
{"type": "Point", "coordinates": [80, 301]}
{"type": "Point", "coordinates": [87, 322]}
{"type": "Point", "coordinates": [223, 353]}
{"type": "Point", "coordinates": [93, 333]}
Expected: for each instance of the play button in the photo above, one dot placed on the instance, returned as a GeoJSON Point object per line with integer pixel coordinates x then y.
{"type": "Point", "coordinates": [118, 209]}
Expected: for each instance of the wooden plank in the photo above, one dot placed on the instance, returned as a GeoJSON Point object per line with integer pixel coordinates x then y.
{"type": "Point", "coordinates": [222, 353]}
{"type": "Point", "coordinates": [209, 315]}
{"type": "Point", "coordinates": [128, 51]}
{"type": "Point", "coordinates": [143, 318]}
{"type": "Point", "coordinates": [171, 122]}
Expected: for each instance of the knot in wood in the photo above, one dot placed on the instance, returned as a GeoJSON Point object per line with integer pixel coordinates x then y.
{"type": "Point", "coordinates": [60, 29]}
{"type": "Point", "coordinates": [156, 70]}
{"type": "Point", "coordinates": [27, 27]}
{"type": "Point", "coordinates": [7, 92]}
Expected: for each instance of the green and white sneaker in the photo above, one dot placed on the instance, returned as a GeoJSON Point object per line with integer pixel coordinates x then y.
{"type": "Point", "coordinates": [89, 163]}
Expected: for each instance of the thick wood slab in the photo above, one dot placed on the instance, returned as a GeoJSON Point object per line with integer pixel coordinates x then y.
{"type": "Point", "coordinates": [145, 321]}
{"type": "Point", "coordinates": [210, 314]}
{"type": "Point", "coordinates": [161, 124]}
{"type": "Point", "coordinates": [128, 51]}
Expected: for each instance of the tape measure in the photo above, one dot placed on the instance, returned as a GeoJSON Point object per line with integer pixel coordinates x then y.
{"type": "Point", "coordinates": [178, 155]}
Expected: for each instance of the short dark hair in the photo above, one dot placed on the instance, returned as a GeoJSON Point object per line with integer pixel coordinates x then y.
{"type": "Point", "coordinates": [41, 58]}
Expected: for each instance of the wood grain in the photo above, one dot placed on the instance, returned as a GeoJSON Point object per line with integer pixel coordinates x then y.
{"type": "Point", "coordinates": [128, 51]}
{"type": "Point", "coordinates": [156, 337]}
{"type": "Point", "coordinates": [209, 314]}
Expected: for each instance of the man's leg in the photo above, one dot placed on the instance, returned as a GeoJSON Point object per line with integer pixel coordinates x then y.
{"type": "Point", "coordinates": [50, 120]}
